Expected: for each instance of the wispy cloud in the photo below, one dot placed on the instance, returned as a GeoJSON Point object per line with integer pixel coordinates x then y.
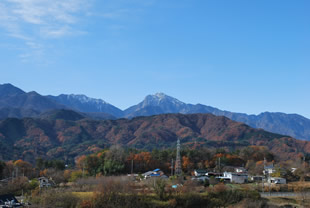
{"type": "Point", "coordinates": [33, 21]}
{"type": "Point", "coordinates": [36, 22]}
{"type": "Point", "coordinates": [40, 13]}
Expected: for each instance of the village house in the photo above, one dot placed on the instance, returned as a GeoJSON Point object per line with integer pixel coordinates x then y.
{"type": "Point", "coordinates": [256, 178]}
{"type": "Point", "coordinates": [9, 200]}
{"type": "Point", "coordinates": [234, 177]}
{"type": "Point", "coordinates": [234, 169]}
{"type": "Point", "coordinates": [154, 173]}
{"type": "Point", "coordinates": [4, 182]}
{"type": "Point", "coordinates": [200, 172]}
{"type": "Point", "coordinates": [269, 169]}
{"type": "Point", "coordinates": [277, 180]}
{"type": "Point", "coordinates": [293, 170]}
{"type": "Point", "coordinates": [44, 182]}
{"type": "Point", "coordinates": [240, 170]}
{"type": "Point", "coordinates": [213, 174]}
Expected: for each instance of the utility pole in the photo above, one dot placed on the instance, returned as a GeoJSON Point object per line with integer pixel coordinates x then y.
{"type": "Point", "coordinates": [178, 167]}
{"type": "Point", "coordinates": [131, 167]}
{"type": "Point", "coordinates": [264, 172]}
{"type": "Point", "coordinates": [263, 184]}
{"type": "Point", "coordinates": [83, 169]}
{"type": "Point", "coordinates": [171, 167]}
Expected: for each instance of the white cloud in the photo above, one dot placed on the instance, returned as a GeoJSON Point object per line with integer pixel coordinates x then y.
{"type": "Point", "coordinates": [37, 21]}
{"type": "Point", "coordinates": [33, 21]}
{"type": "Point", "coordinates": [57, 14]}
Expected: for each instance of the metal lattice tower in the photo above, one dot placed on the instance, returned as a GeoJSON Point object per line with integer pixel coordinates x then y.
{"type": "Point", "coordinates": [178, 165]}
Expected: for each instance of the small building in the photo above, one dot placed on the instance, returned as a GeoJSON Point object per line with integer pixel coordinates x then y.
{"type": "Point", "coordinates": [234, 177]}
{"type": "Point", "coordinates": [214, 174]}
{"type": "Point", "coordinates": [240, 170]}
{"type": "Point", "coordinates": [44, 182]}
{"type": "Point", "coordinates": [4, 182]}
{"type": "Point", "coordinates": [277, 180]}
{"type": "Point", "coordinates": [256, 178]}
{"type": "Point", "coordinates": [154, 173]}
{"type": "Point", "coordinates": [293, 170]}
{"type": "Point", "coordinates": [200, 172]}
{"type": "Point", "coordinates": [9, 200]}
{"type": "Point", "coordinates": [234, 169]}
{"type": "Point", "coordinates": [269, 169]}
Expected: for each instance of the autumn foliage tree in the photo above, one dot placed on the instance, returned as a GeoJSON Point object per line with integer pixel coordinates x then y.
{"type": "Point", "coordinates": [187, 165]}
{"type": "Point", "coordinates": [23, 168]}
{"type": "Point", "coordinates": [142, 161]}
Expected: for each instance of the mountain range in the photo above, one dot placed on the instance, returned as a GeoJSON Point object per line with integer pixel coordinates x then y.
{"type": "Point", "coordinates": [55, 137]}
{"type": "Point", "coordinates": [14, 102]}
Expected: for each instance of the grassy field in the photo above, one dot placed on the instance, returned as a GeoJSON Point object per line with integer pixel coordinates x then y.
{"type": "Point", "coordinates": [83, 195]}
{"type": "Point", "coordinates": [119, 190]}
{"type": "Point", "coordinates": [282, 201]}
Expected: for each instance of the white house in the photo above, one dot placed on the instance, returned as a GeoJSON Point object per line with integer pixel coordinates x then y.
{"type": "Point", "coordinates": [277, 180]}
{"type": "Point", "coordinates": [9, 200]}
{"type": "Point", "coordinates": [269, 169]}
{"type": "Point", "coordinates": [44, 182]}
{"type": "Point", "coordinates": [293, 170]}
{"type": "Point", "coordinates": [200, 172]}
{"type": "Point", "coordinates": [234, 177]}
{"type": "Point", "coordinates": [240, 170]}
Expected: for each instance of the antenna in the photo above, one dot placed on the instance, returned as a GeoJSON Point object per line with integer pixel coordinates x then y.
{"type": "Point", "coordinates": [178, 167]}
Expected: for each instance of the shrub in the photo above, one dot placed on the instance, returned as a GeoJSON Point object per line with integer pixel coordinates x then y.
{"type": "Point", "coordinates": [189, 200]}
{"type": "Point", "coordinates": [159, 188]}
{"type": "Point", "coordinates": [51, 198]}
{"type": "Point", "coordinates": [222, 196]}
{"type": "Point", "coordinates": [86, 204]}
{"type": "Point", "coordinates": [16, 186]}
{"type": "Point", "coordinates": [75, 175]}
{"type": "Point", "coordinates": [33, 184]}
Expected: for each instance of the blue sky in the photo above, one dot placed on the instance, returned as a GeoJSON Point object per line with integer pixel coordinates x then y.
{"type": "Point", "coordinates": [242, 56]}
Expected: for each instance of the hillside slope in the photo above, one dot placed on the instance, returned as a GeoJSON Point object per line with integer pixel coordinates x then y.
{"type": "Point", "coordinates": [31, 138]}
{"type": "Point", "coordinates": [293, 125]}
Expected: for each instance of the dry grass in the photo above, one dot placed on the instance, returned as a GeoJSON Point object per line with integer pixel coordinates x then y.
{"type": "Point", "coordinates": [83, 195]}
{"type": "Point", "coordinates": [303, 184]}
{"type": "Point", "coordinates": [281, 201]}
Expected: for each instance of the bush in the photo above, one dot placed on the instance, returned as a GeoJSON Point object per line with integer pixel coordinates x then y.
{"type": "Point", "coordinates": [33, 184]}
{"type": "Point", "coordinates": [75, 175]}
{"type": "Point", "coordinates": [222, 196]}
{"type": "Point", "coordinates": [192, 200]}
{"type": "Point", "coordinates": [113, 192]}
{"type": "Point", "coordinates": [51, 198]}
{"type": "Point", "coordinates": [117, 200]}
{"type": "Point", "coordinates": [159, 188]}
{"type": "Point", "coordinates": [16, 186]}
{"type": "Point", "coordinates": [86, 204]}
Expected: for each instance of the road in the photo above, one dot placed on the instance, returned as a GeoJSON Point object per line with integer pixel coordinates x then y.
{"type": "Point", "coordinates": [284, 194]}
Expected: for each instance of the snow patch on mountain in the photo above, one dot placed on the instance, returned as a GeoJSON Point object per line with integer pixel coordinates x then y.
{"type": "Point", "coordinates": [84, 99]}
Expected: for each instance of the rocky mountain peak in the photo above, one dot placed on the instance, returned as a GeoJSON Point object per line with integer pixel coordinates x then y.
{"type": "Point", "coordinates": [7, 90]}
{"type": "Point", "coordinates": [160, 99]}
{"type": "Point", "coordinates": [84, 99]}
